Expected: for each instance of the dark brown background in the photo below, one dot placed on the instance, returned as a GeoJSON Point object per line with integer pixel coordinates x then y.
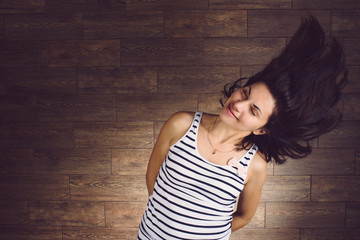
{"type": "Point", "coordinates": [86, 86]}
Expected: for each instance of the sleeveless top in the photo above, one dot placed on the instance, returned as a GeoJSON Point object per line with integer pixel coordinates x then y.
{"type": "Point", "coordinates": [193, 198]}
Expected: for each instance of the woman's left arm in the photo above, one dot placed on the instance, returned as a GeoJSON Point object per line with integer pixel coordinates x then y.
{"type": "Point", "coordinates": [250, 196]}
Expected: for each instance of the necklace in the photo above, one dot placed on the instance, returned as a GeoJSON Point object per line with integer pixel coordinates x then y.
{"type": "Point", "coordinates": [214, 149]}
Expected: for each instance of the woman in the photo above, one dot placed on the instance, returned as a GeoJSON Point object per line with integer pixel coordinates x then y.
{"type": "Point", "coordinates": [202, 162]}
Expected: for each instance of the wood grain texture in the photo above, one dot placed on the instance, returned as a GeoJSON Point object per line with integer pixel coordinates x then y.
{"type": "Point", "coordinates": [13, 212]}
{"type": "Point", "coordinates": [20, 6]}
{"type": "Point", "coordinates": [166, 4]}
{"type": "Point", "coordinates": [258, 221]}
{"type": "Point", "coordinates": [345, 23]}
{"type": "Point", "coordinates": [12, 232]}
{"type": "Point", "coordinates": [153, 107]}
{"type": "Point", "coordinates": [344, 135]}
{"type": "Point", "coordinates": [196, 79]}
{"type": "Point", "coordinates": [43, 26]}
{"type": "Point", "coordinates": [124, 214]}
{"type": "Point", "coordinates": [81, 233]}
{"type": "Point", "coordinates": [113, 135]}
{"type": "Point", "coordinates": [71, 161]}
{"type": "Point", "coordinates": [266, 234]}
{"type": "Point", "coordinates": [28, 81]}
{"type": "Point", "coordinates": [84, 5]}
{"type": "Point", "coordinates": [67, 213]}
{"type": "Point", "coordinates": [248, 4]}
{"type": "Point", "coordinates": [352, 50]}
{"type": "Point", "coordinates": [125, 24]}
{"type": "Point", "coordinates": [18, 108]}
{"type": "Point", "coordinates": [36, 134]}
{"type": "Point", "coordinates": [129, 161]}
{"type": "Point", "coordinates": [276, 23]}
{"type": "Point", "coordinates": [209, 102]}
{"type": "Point", "coordinates": [324, 161]}
{"type": "Point", "coordinates": [34, 187]}
{"type": "Point", "coordinates": [81, 53]}
{"type": "Point", "coordinates": [20, 54]}
{"type": "Point", "coordinates": [213, 23]}
{"type": "Point", "coordinates": [2, 28]}
{"type": "Point", "coordinates": [154, 52]}
{"type": "Point", "coordinates": [240, 51]}
{"type": "Point", "coordinates": [330, 234]}
{"type": "Point", "coordinates": [357, 161]}
{"type": "Point", "coordinates": [16, 161]}
{"type": "Point", "coordinates": [108, 188]}
{"type": "Point", "coordinates": [76, 108]}
{"type": "Point", "coordinates": [305, 215]}
{"type": "Point", "coordinates": [109, 80]}
{"type": "Point", "coordinates": [351, 106]}
{"type": "Point", "coordinates": [330, 188]}
{"type": "Point", "coordinates": [326, 4]}
{"type": "Point", "coordinates": [286, 188]}
{"type": "Point", "coordinates": [352, 214]}
{"type": "Point", "coordinates": [353, 84]}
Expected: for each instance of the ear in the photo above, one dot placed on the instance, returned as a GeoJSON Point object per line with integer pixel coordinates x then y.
{"type": "Point", "coordinates": [260, 131]}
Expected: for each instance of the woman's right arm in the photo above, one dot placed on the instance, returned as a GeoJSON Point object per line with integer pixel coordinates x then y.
{"type": "Point", "coordinates": [174, 128]}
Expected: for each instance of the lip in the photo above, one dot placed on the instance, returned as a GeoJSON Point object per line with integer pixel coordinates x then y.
{"type": "Point", "coordinates": [230, 112]}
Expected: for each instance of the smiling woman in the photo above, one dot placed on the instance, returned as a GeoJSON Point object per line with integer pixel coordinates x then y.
{"type": "Point", "coordinates": [203, 164]}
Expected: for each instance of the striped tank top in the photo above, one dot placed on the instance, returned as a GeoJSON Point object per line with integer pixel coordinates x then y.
{"type": "Point", "coordinates": [193, 198]}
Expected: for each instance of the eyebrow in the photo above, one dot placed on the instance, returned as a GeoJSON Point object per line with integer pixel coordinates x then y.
{"type": "Point", "coordinates": [254, 104]}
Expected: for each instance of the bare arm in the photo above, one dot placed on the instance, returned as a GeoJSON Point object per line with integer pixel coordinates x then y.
{"type": "Point", "coordinates": [174, 128]}
{"type": "Point", "coordinates": [251, 194]}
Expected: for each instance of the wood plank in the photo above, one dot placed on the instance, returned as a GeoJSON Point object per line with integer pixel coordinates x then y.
{"type": "Point", "coordinates": [209, 102]}
{"type": "Point", "coordinates": [241, 50]}
{"type": "Point", "coordinates": [154, 52]}
{"type": "Point", "coordinates": [13, 212]}
{"type": "Point", "coordinates": [351, 106]}
{"type": "Point", "coordinates": [322, 161]}
{"type": "Point", "coordinates": [20, 54]}
{"type": "Point", "coordinates": [66, 213]}
{"type": "Point", "coordinates": [84, 5]}
{"type": "Point", "coordinates": [353, 83]}
{"type": "Point", "coordinates": [16, 161]}
{"type": "Point", "coordinates": [280, 23]}
{"type": "Point", "coordinates": [129, 161]}
{"type": "Point", "coordinates": [108, 188]}
{"type": "Point", "coordinates": [258, 220]}
{"type": "Point", "coordinates": [124, 214]}
{"type": "Point", "coordinates": [34, 187]}
{"type": "Point", "coordinates": [11, 232]}
{"type": "Point", "coordinates": [345, 23]}
{"type": "Point", "coordinates": [72, 161]}
{"type": "Point", "coordinates": [246, 4]}
{"type": "Point", "coordinates": [166, 4]}
{"type": "Point", "coordinates": [357, 161]}
{"type": "Point", "coordinates": [345, 135]}
{"type": "Point", "coordinates": [266, 234]}
{"type": "Point", "coordinates": [305, 215]}
{"type": "Point", "coordinates": [326, 4]}
{"type": "Point", "coordinates": [113, 135]}
{"type": "Point", "coordinates": [353, 215]}
{"type": "Point", "coordinates": [36, 134]}
{"type": "Point", "coordinates": [351, 48]}
{"type": "Point", "coordinates": [340, 188]}
{"type": "Point", "coordinates": [286, 188]}
{"type": "Point", "coordinates": [124, 24]}
{"type": "Point", "coordinates": [202, 79]}
{"type": "Point", "coordinates": [20, 6]}
{"type": "Point", "coordinates": [76, 108]}
{"type": "Point", "coordinates": [27, 81]}
{"type": "Point", "coordinates": [213, 23]}
{"type": "Point", "coordinates": [108, 80]}
{"type": "Point", "coordinates": [153, 107]}
{"type": "Point", "coordinates": [330, 234]}
{"type": "Point", "coordinates": [2, 28]}
{"type": "Point", "coordinates": [43, 26]}
{"type": "Point", "coordinates": [80, 233]}
{"type": "Point", "coordinates": [81, 53]}
{"type": "Point", "coordinates": [248, 71]}
{"type": "Point", "coordinates": [14, 107]}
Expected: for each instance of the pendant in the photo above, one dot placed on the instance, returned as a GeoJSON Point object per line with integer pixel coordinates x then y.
{"type": "Point", "coordinates": [213, 152]}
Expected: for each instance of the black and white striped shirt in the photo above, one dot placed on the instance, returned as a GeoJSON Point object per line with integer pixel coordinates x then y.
{"type": "Point", "coordinates": [192, 198]}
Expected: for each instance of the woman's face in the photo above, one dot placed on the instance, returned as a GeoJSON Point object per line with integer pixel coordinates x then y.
{"type": "Point", "coordinates": [248, 109]}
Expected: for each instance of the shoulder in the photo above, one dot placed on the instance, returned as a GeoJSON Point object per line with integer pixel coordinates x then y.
{"type": "Point", "coordinates": [257, 169]}
{"type": "Point", "coordinates": [177, 125]}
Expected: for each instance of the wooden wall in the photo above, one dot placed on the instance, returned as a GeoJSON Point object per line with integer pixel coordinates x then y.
{"type": "Point", "coordinates": [86, 86]}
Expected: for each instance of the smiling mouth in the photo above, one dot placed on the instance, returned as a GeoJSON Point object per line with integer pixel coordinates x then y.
{"type": "Point", "coordinates": [230, 112]}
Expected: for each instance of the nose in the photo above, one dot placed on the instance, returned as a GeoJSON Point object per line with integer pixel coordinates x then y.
{"type": "Point", "coordinates": [240, 106]}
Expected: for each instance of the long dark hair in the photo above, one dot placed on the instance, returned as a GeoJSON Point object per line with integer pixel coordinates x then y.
{"type": "Point", "coordinates": [305, 81]}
